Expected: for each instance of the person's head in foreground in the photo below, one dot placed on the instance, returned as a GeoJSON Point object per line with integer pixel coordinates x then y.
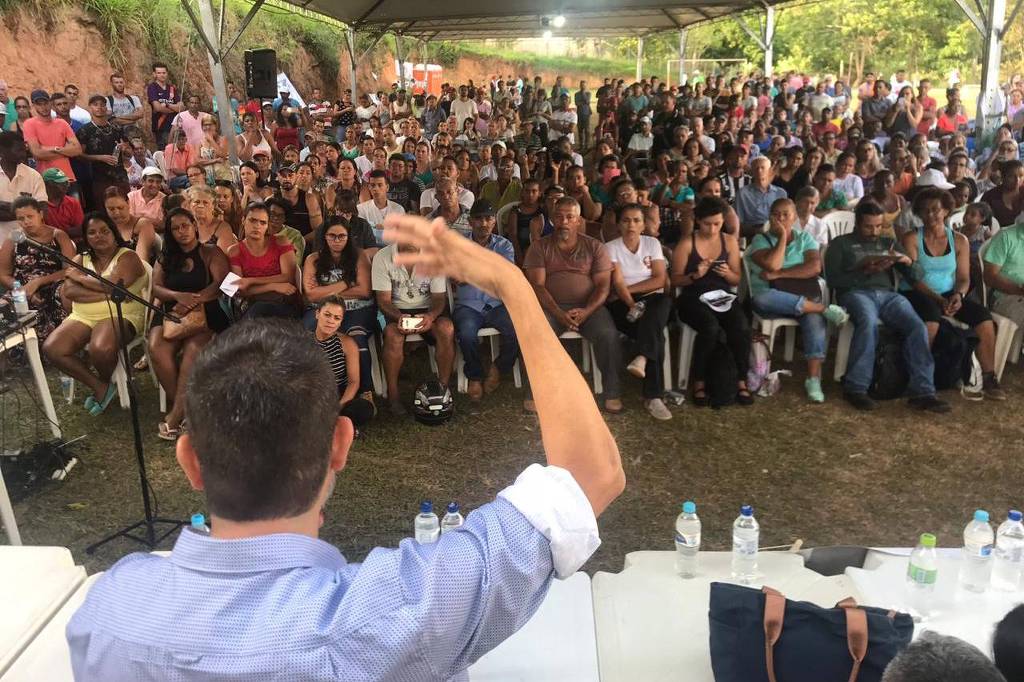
{"type": "Point", "coordinates": [265, 441]}
{"type": "Point", "coordinates": [941, 658]}
{"type": "Point", "coordinates": [1008, 645]}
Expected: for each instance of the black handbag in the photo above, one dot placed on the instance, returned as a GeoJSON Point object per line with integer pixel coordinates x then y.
{"type": "Point", "coordinates": [760, 636]}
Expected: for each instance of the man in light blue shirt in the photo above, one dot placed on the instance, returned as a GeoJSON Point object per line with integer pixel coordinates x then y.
{"type": "Point", "coordinates": [261, 597]}
{"type": "Point", "coordinates": [754, 200]}
{"type": "Point", "coordinates": [475, 309]}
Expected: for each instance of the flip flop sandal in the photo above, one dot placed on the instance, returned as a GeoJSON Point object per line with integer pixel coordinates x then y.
{"type": "Point", "coordinates": [101, 406]}
{"type": "Point", "coordinates": [89, 403]}
{"type": "Point", "coordinates": [166, 432]}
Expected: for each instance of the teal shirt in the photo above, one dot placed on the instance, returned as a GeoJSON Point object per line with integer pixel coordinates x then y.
{"type": "Point", "coordinates": [1007, 251]}
{"type": "Point", "coordinates": [794, 255]}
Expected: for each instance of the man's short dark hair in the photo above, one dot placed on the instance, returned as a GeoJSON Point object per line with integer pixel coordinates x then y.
{"type": "Point", "coordinates": [262, 404]}
{"type": "Point", "coordinates": [159, 65]}
{"type": "Point", "coordinates": [866, 207]}
{"type": "Point", "coordinates": [1008, 645]}
{"type": "Point", "coordinates": [378, 174]}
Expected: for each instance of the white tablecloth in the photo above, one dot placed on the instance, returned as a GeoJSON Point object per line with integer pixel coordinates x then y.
{"type": "Point", "coordinates": [557, 645]}
{"type": "Point", "coordinates": [34, 583]}
{"type": "Point", "coordinates": [957, 612]}
{"type": "Point", "coordinates": [652, 625]}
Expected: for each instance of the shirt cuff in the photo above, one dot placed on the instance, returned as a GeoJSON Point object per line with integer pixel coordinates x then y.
{"type": "Point", "coordinates": [553, 502]}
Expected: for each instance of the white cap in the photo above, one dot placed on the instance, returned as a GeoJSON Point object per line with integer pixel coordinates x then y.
{"type": "Point", "coordinates": [152, 170]}
{"type": "Point", "coordinates": [933, 177]}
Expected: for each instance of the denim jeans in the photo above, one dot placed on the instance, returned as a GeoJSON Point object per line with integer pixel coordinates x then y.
{"type": "Point", "coordinates": [868, 307]}
{"type": "Point", "coordinates": [813, 327]}
{"type": "Point", "coordinates": [468, 322]}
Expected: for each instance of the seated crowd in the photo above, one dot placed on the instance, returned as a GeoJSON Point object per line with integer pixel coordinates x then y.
{"type": "Point", "coordinates": [639, 213]}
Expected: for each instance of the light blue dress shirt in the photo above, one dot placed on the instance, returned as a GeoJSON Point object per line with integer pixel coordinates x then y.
{"type": "Point", "coordinates": [476, 298]}
{"type": "Point", "coordinates": [753, 206]}
{"type": "Point", "coordinates": [289, 607]}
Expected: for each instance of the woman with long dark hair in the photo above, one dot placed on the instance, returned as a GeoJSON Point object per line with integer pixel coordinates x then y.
{"type": "Point", "coordinates": [348, 178]}
{"type": "Point", "coordinates": [339, 269]}
{"type": "Point", "coordinates": [92, 321]}
{"type": "Point", "coordinates": [186, 280]}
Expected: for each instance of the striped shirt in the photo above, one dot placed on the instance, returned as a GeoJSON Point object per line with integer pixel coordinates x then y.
{"type": "Point", "coordinates": [336, 358]}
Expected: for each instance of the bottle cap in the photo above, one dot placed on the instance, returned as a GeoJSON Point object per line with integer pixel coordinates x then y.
{"type": "Point", "coordinates": [981, 515]}
{"type": "Point", "coordinates": [1014, 515]}
{"type": "Point", "coordinates": [426, 507]}
{"type": "Point", "coordinates": [747, 510]}
{"type": "Point", "coordinates": [453, 507]}
{"type": "Point", "coordinates": [927, 540]}
{"type": "Point", "coordinates": [198, 520]}
{"type": "Point", "coordinates": [689, 508]}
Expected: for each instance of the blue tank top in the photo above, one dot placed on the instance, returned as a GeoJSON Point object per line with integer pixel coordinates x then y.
{"type": "Point", "coordinates": [939, 272]}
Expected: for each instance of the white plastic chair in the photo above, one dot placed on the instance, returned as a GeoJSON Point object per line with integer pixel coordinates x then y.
{"type": "Point", "coordinates": [589, 358]}
{"type": "Point", "coordinates": [500, 217]}
{"type": "Point", "coordinates": [1009, 336]}
{"type": "Point", "coordinates": [956, 219]}
{"type": "Point", "coordinates": [490, 333]}
{"type": "Point", "coordinates": [770, 326]}
{"type": "Point", "coordinates": [838, 223]}
{"type": "Point", "coordinates": [687, 339]}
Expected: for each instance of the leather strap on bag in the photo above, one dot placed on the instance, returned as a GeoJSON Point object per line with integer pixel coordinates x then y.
{"type": "Point", "coordinates": [856, 633]}
{"type": "Point", "coordinates": [774, 612]}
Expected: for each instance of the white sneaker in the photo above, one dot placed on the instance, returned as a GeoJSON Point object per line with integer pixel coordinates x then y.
{"type": "Point", "coordinates": [638, 367]}
{"type": "Point", "coordinates": [658, 409]}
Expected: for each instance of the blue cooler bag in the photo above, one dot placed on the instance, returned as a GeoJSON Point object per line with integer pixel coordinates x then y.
{"type": "Point", "coordinates": [760, 636]}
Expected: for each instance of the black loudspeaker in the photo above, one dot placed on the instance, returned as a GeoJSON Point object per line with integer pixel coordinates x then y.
{"type": "Point", "coordinates": [261, 74]}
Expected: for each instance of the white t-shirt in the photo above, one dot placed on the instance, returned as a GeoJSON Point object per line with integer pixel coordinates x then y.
{"type": "Point", "coordinates": [363, 165]}
{"type": "Point", "coordinates": [814, 227]}
{"type": "Point", "coordinates": [364, 113]}
{"type": "Point", "coordinates": [852, 186]}
{"type": "Point", "coordinates": [409, 291]}
{"type": "Point", "coordinates": [463, 110]}
{"type": "Point", "coordinates": [636, 267]}
{"type": "Point", "coordinates": [374, 215]}
{"type": "Point", "coordinates": [564, 116]}
{"type": "Point", "coordinates": [489, 172]}
{"type": "Point", "coordinates": [428, 199]}
{"type": "Point", "coordinates": [640, 143]}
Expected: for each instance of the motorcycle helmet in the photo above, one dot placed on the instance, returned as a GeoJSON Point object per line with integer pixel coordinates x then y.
{"type": "Point", "coordinates": [432, 403]}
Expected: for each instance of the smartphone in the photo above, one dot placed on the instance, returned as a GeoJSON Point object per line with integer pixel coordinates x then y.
{"type": "Point", "coordinates": [411, 323]}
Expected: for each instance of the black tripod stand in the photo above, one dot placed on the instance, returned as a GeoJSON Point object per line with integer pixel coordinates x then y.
{"type": "Point", "coordinates": [118, 295]}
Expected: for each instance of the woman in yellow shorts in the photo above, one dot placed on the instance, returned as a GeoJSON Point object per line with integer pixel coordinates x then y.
{"type": "Point", "coordinates": [93, 315]}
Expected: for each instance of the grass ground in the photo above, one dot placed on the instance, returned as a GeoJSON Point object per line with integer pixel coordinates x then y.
{"type": "Point", "coordinates": [823, 473]}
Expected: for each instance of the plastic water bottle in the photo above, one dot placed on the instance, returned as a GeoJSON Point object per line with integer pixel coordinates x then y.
{"type": "Point", "coordinates": [19, 298]}
{"type": "Point", "coordinates": [199, 524]}
{"type": "Point", "coordinates": [745, 535]}
{"type": "Point", "coordinates": [426, 524]}
{"type": "Point", "coordinates": [687, 540]}
{"type": "Point", "coordinates": [452, 518]}
{"type": "Point", "coordinates": [922, 571]}
{"type": "Point", "coordinates": [1009, 553]}
{"type": "Point", "coordinates": [637, 311]}
{"type": "Point", "coordinates": [976, 562]}
{"type": "Point", "coordinates": [67, 387]}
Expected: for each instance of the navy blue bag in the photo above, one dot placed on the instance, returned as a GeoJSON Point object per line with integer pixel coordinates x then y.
{"type": "Point", "coordinates": [760, 636]}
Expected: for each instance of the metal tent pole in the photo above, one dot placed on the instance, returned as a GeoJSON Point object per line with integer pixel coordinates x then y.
{"type": "Point", "coordinates": [350, 39]}
{"type": "Point", "coordinates": [639, 58]}
{"type": "Point", "coordinates": [206, 26]}
{"type": "Point", "coordinates": [991, 103]}
{"type": "Point", "coordinates": [682, 55]}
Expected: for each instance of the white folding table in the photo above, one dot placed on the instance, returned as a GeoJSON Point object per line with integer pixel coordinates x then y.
{"type": "Point", "coordinates": [35, 582]}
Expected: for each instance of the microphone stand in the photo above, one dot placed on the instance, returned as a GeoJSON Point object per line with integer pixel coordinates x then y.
{"type": "Point", "coordinates": [119, 294]}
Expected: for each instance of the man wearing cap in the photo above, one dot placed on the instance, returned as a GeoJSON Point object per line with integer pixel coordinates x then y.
{"type": "Point", "coordinates": [284, 98]}
{"type": "Point", "coordinates": [16, 179]}
{"type": "Point", "coordinates": [50, 140]}
{"type": "Point", "coordinates": [475, 309]}
{"type": "Point", "coordinates": [302, 207]}
{"type": "Point", "coordinates": [101, 143]}
{"type": "Point", "coordinates": [261, 157]}
{"type": "Point", "coordinates": [62, 211]}
{"type": "Point", "coordinates": [147, 201]}
{"type": "Point", "coordinates": [165, 101]}
{"type": "Point", "coordinates": [504, 189]}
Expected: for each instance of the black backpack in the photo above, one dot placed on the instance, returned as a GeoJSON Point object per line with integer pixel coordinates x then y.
{"type": "Point", "coordinates": [722, 375]}
{"type": "Point", "coordinates": [890, 378]}
{"type": "Point", "coordinates": [952, 352]}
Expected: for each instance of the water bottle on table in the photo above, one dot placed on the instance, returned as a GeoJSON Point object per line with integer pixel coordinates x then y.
{"type": "Point", "coordinates": [922, 572]}
{"type": "Point", "coordinates": [976, 561]}
{"type": "Point", "coordinates": [1009, 553]}
{"type": "Point", "coordinates": [452, 518]}
{"type": "Point", "coordinates": [426, 525]}
{"type": "Point", "coordinates": [745, 535]}
{"type": "Point", "coordinates": [19, 298]}
{"type": "Point", "coordinates": [687, 540]}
